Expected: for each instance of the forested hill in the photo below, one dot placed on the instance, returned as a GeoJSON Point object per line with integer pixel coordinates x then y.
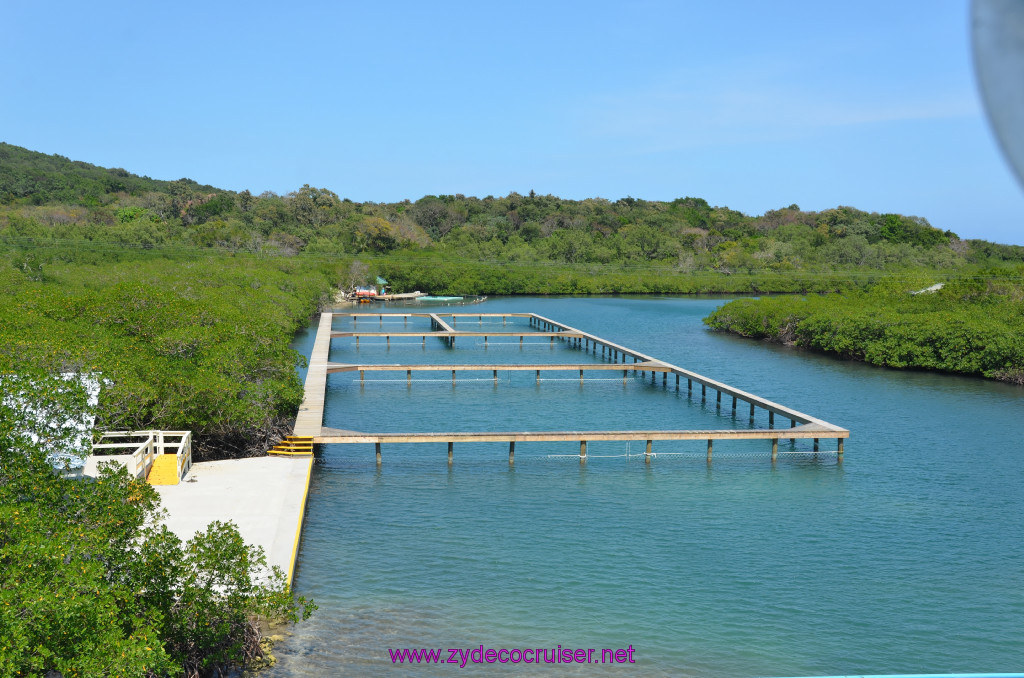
{"type": "Point", "coordinates": [50, 198]}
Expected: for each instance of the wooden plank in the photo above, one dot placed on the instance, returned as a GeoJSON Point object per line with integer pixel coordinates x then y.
{"type": "Point", "coordinates": [453, 333]}
{"type": "Point", "coordinates": [310, 418]}
{"type": "Point", "coordinates": [522, 367]}
{"type": "Point", "coordinates": [426, 314]}
{"type": "Point", "coordinates": [563, 436]}
{"type": "Point", "coordinates": [436, 318]}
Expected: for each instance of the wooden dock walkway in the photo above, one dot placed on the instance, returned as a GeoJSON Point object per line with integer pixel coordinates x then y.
{"type": "Point", "coordinates": [618, 358]}
{"type": "Point", "coordinates": [310, 418]}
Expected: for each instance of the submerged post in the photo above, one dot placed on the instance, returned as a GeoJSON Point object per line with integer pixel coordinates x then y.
{"type": "Point", "coordinates": [511, 452]}
{"type": "Point", "coordinates": [647, 454]}
{"type": "Point", "coordinates": [378, 454]}
{"type": "Point", "coordinates": [775, 449]}
{"type": "Point", "coordinates": [583, 450]}
{"type": "Point", "coordinates": [710, 441]}
{"type": "Point", "coordinates": [450, 446]}
{"type": "Point", "coordinates": [839, 452]}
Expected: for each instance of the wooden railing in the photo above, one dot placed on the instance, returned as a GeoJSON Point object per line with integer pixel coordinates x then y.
{"type": "Point", "coordinates": [145, 445]}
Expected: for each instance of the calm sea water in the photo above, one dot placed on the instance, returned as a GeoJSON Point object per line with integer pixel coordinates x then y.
{"type": "Point", "coordinates": [908, 557]}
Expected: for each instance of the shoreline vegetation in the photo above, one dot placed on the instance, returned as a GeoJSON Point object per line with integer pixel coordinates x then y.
{"type": "Point", "coordinates": [185, 299]}
{"type": "Point", "coordinates": [186, 296]}
{"type": "Point", "coordinates": [92, 583]}
{"type": "Point", "coordinates": [971, 326]}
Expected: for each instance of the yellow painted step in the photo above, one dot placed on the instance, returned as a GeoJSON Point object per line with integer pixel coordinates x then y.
{"type": "Point", "coordinates": [294, 446]}
{"type": "Point", "coordinates": [164, 470]}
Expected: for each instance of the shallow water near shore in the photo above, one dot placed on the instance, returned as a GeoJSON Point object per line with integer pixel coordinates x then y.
{"type": "Point", "coordinates": [907, 557]}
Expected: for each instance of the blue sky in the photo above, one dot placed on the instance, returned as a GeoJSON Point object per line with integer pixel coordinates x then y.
{"type": "Point", "coordinates": [754, 105]}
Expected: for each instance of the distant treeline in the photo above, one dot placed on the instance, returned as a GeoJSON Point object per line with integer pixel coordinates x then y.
{"type": "Point", "coordinates": [431, 243]}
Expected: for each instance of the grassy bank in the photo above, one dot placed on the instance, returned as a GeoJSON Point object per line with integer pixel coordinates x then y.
{"type": "Point", "coordinates": [972, 326]}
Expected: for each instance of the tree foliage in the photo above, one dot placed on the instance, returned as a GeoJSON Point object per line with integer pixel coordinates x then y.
{"type": "Point", "coordinates": [92, 585]}
{"type": "Point", "coordinates": [184, 343]}
{"type": "Point", "coordinates": [52, 199]}
{"type": "Point", "coordinates": [971, 326]}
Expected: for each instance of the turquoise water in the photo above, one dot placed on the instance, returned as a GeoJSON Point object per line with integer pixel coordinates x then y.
{"type": "Point", "coordinates": [908, 557]}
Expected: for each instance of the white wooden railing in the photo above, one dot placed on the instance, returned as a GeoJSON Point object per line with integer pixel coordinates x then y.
{"type": "Point", "coordinates": [145, 445]}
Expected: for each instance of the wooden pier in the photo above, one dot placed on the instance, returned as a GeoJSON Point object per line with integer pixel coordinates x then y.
{"type": "Point", "coordinates": [618, 359]}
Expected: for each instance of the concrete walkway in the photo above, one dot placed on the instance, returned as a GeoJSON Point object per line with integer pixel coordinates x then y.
{"type": "Point", "coordinates": [264, 496]}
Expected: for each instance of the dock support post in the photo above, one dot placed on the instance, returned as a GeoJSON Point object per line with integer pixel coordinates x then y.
{"type": "Point", "coordinates": [703, 392]}
{"type": "Point", "coordinates": [453, 377]}
{"type": "Point", "coordinates": [583, 450]}
{"type": "Point", "coordinates": [771, 419]}
{"type": "Point", "coordinates": [751, 411]}
{"type": "Point", "coordinates": [839, 452]}
{"type": "Point", "coordinates": [408, 377]}
{"type": "Point", "coordinates": [664, 378]}
{"type": "Point", "coordinates": [689, 385]}
{"type": "Point", "coordinates": [512, 452]}
{"type": "Point", "coordinates": [647, 454]}
{"type": "Point", "coordinates": [625, 373]}
{"type": "Point", "coordinates": [718, 400]}
{"type": "Point", "coordinates": [538, 376]}
{"type": "Point", "coordinates": [424, 341]}
{"type": "Point", "coordinates": [677, 382]}
{"type": "Point", "coordinates": [734, 404]}
{"type": "Point", "coordinates": [388, 340]}
{"type": "Point", "coordinates": [581, 376]}
{"type": "Point", "coordinates": [520, 341]}
{"type": "Point", "coordinates": [792, 424]}
{"type": "Point", "coordinates": [775, 449]}
{"type": "Point", "coordinates": [378, 454]}
{"type": "Point", "coordinates": [815, 444]}
{"type": "Point", "coordinates": [710, 441]}
{"type": "Point", "coordinates": [361, 375]}
{"type": "Point", "coordinates": [485, 341]}
{"type": "Point", "coordinates": [495, 377]}
{"type": "Point", "coordinates": [357, 341]}
{"type": "Point", "coordinates": [450, 446]}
